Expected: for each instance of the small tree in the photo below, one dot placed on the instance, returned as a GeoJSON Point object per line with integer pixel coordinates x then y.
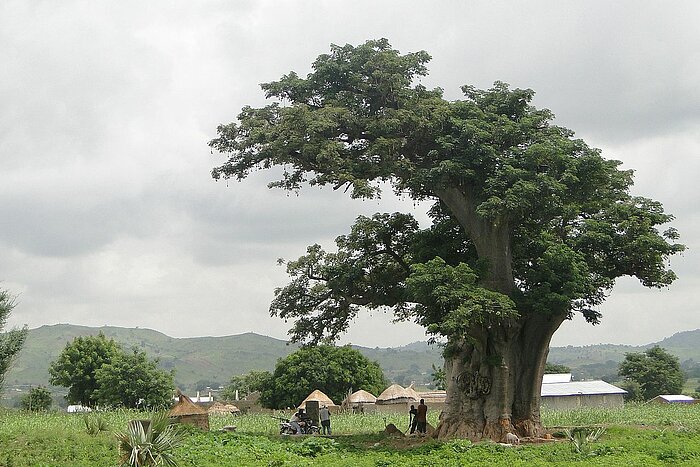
{"type": "Point", "coordinates": [554, 368]}
{"type": "Point", "coordinates": [77, 364]}
{"type": "Point", "coordinates": [131, 380]}
{"type": "Point", "coordinates": [245, 384]}
{"type": "Point", "coordinates": [655, 370]}
{"type": "Point", "coordinates": [11, 342]}
{"type": "Point", "coordinates": [36, 400]}
{"type": "Point", "coordinates": [438, 376]}
{"type": "Point", "coordinates": [333, 370]}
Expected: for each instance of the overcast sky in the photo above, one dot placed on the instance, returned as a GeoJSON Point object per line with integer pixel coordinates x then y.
{"type": "Point", "coordinates": [108, 212]}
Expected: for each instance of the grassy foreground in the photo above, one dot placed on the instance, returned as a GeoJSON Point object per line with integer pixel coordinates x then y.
{"type": "Point", "coordinates": [635, 435]}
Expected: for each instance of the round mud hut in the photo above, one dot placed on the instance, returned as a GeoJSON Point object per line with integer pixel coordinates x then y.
{"type": "Point", "coordinates": [223, 409]}
{"type": "Point", "coordinates": [189, 413]}
{"type": "Point", "coordinates": [396, 398]}
{"type": "Point", "coordinates": [359, 401]}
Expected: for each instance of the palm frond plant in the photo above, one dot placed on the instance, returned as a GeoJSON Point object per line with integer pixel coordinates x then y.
{"type": "Point", "coordinates": [95, 424]}
{"type": "Point", "coordinates": [581, 437]}
{"type": "Point", "coordinates": [150, 446]}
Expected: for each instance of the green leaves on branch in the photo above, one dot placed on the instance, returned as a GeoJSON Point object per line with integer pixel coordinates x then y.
{"type": "Point", "coordinates": [525, 216]}
{"type": "Point", "coordinates": [333, 370]}
{"type": "Point", "coordinates": [12, 341]}
{"type": "Point", "coordinates": [449, 300]}
{"type": "Point", "coordinates": [96, 370]}
{"type": "Point", "coordinates": [36, 400]}
{"type": "Point", "coordinates": [243, 385]}
{"type": "Point", "coordinates": [655, 371]}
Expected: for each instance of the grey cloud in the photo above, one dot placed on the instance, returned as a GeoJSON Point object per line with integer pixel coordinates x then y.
{"type": "Point", "coordinates": [105, 111]}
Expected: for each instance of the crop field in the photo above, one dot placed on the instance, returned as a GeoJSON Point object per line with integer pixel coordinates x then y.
{"type": "Point", "coordinates": [638, 435]}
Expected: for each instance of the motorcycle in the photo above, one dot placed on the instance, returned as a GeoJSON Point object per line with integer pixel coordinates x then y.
{"type": "Point", "coordinates": [306, 427]}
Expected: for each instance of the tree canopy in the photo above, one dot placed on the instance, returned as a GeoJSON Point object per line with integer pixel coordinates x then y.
{"type": "Point", "coordinates": [332, 370]}
{"type": "Point", "coordinates": [130, 379]}
{"type": "Point", "coordinates": [36, 400]}
{"type": "Point", "coordinates": [242, 385]}
{"type": "Point", "coordinates": [655, 371]}
{"type": "Point", "coordinates": [12, 341]}
{"type": "Point", "coordinates": [522, 208]}
{"type": "Point", "coordinates": [96, 370]}
{"type": "Point", "coordinates": [530, 225]}
{"type": "Point", "coordinates": [76, 366]}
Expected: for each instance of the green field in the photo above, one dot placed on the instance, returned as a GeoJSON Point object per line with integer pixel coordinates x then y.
{"type": "Point", "coordinates": [640, 435]}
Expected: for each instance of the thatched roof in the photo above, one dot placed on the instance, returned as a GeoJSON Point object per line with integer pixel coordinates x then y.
{"type": "Point", "coordinates": [185, 406]}
{"type": "Point", "coordinates": [317, 395]}
{"type": "Point", "coordinates": [219, 408]}
{"type": "Point", "coordinates": [362, 397]}
{"type": "Point", "coordinates": [413, 393]}
{"type": "Point", "coordinates": [397, 393]}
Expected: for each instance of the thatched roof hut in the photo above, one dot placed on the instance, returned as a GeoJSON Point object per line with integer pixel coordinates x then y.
{"type": "Point", "coordinates": [319, 396]}
{"type": "Point", "coordinates": [397, 394]}
{"type": "Point", "coordinates": [189, 413]}
{"type": "Point", "coordinates": [361, 397]}
{"type": "Point", "coordinates": [219, 408]}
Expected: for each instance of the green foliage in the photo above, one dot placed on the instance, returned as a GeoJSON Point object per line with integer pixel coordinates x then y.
{"type": "Point", "coordinates": [333, 370]}
{"type": "Point", "coordinates": [553, 368]}
{"type": "Point", "coordinates": [77, 365]}
{"type": "Point", "coordinates": [59, 440]}
{"type": "Point", "coordinates": [37, 399]}
{"type": "Point", "coordinates": [438, 376]}
{"type": "Point", "coordinates": [97, 371]}
{"type": "Point", "coordinates": [132, 380]}
{"type": "Point", "coordinates": [245, 384]}
{"type": "Point", "coordinates": [315, 446]}
{"type": "Point", "coordinates": [215, 356]}
{"type": "Point", "coordinates": [95, 424]}
{"type": "Point", "coordinates": [655, 371]}
{"type": "Point", "coordinates": [527, 220]}
{"type": "Point", "coordinates": [634, 391]}
{"type": "Point", "coordinates": [581, 437]}
{"type": "Point", "coordinates": [12, 341]}
{"type": "Point", "coordinates": [153, 446]}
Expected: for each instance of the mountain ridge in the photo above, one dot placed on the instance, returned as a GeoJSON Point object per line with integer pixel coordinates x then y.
{"type": "Point", "coordinates": [211, 360]}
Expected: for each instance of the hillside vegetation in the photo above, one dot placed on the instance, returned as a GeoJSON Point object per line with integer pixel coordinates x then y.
{"type": "Point", "coordinates": [209, 360]}
{"type": "Point", "coordinates": [205, 359]}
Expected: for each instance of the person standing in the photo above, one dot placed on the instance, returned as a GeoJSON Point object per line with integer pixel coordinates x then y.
{"type": "Point", "coordinates": [412, 418]}
{"type": "Point", "coordinates": [325, 415]}
{"type": "Point", "coordinates": [422, 417]}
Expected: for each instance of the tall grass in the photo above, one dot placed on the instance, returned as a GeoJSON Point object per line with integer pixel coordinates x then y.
{"type": "Point", "coordinates": [670, 436]}
{"type": "Point", "coordinates": [632, 414]}
{"type": "Point", "coordinates": [341, 423]}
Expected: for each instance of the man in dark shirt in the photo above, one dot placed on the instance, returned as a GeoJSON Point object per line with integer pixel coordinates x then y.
{"type": "Point", "coordinates": [422, 417]}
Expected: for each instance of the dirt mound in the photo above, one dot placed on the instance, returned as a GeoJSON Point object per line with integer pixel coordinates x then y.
{"type": "Point", "coordinates": [391, 430]}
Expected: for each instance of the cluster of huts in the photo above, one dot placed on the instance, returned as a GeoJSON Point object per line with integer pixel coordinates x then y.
{"type": "Point", "coordinates": [395, 398]}
{"type": "Point", "coordinates": [558, 392]}
{"type": "Point", "coordinates": [189, 412]}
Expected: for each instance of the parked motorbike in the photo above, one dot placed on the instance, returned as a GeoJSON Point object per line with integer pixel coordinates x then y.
{"type": "Point", "coordinates": [306, 427]}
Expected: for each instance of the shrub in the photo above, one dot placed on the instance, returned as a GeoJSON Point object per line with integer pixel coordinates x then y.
{"type": "Point", "coordinates": [153, 446]}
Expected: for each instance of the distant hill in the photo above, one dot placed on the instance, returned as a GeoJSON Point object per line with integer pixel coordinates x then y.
{"type": "Point", "coordinates": [213, 360]}
{"type": "Point", "coordinates": [596, 361]}
{"type": "Point", "coordinates": [208, 360]}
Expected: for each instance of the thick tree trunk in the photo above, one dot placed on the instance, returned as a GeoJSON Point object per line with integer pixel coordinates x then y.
{"type": "Point", "coordinates": [494, 379]}
{"type": "Point", "coordinates": [491, 237]}
{"type": "Point", "coordinates": [494, 382]}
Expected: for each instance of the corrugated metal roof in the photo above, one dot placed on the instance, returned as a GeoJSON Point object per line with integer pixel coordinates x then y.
{"type": "Point", "coordinates": [556, 378]}
{"type": "Point", "coordinates": [675, 398]}
{"type": "Point", "coordinates": [575, 388]}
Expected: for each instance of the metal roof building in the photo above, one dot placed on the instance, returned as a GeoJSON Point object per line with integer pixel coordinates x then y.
{"type": "Point", "coordinates": [673, 399]}
{"type": "Point", "coordinates": [574, 394]}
